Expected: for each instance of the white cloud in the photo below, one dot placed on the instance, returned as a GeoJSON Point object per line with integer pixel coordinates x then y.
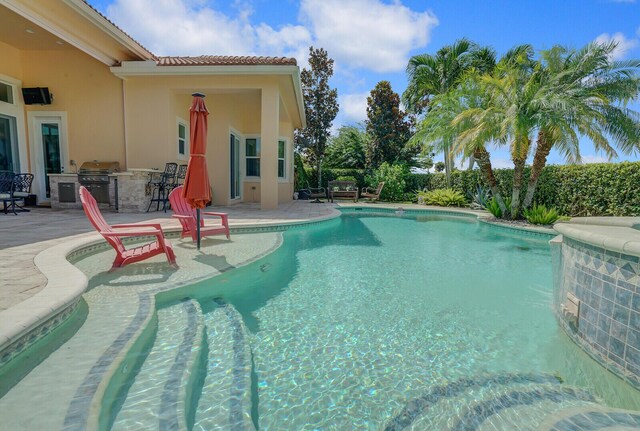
{"type": "Point", "coordinates": [171, 27]}
{"type": "Point", "coordinates": [367, 34]}
{"type": "Point", "coordinates": [624, 44]}
{"type": "Point", "coordinates": [189, 27]}
{"type": "Point", "coordinates": [354, 106]}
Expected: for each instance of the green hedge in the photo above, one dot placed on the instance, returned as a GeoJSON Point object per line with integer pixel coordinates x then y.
{"type": "Point", "coordinates": [609, 189]}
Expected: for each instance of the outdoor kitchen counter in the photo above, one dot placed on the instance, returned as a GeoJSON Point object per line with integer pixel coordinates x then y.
{"type": "Point", "coordinates": [132, 192]}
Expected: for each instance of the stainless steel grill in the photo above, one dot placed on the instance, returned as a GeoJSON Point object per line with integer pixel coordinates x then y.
{"type": "Point", "coordinates": [94, 176]}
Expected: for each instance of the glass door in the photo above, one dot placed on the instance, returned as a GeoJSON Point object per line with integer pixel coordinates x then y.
{"type": "Point", "coordinates": [9, 160]}
{"type": "Point", "coordinates": [51, 151]}
{"type": "Point", "coordinates": [234, 166]}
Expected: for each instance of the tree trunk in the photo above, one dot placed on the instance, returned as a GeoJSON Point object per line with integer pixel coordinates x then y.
{"type": "Point", "coordinates": [518, 175]}
{"type": "Point", "coordinates": [472, 161]}
{"type": "Point", "coordinates": [447, 169]}
{"type": "Point", "coordinates": [319, 174]}
{"type": "Point", "coordinates": [483, 159]}
{"type": "Point", "coordinates": [543, 148]}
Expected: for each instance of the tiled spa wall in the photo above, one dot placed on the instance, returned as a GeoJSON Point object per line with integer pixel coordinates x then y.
{"type": "Point", "coordinates": [597, 301]}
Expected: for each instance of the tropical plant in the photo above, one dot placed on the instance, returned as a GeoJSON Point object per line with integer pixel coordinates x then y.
{"type": "Point", "coordinates": [320, 106]}
{"type": "Point", "coordinates": [556, 98]}
{"type": "Point", "coordinates": [395, 178]}
{"type": "Point", "coordinates": [493, 207]}
{"type": "Point", "coordinates": [388, 127]}
{"type": "Point", "coordinates": [346, 150]}
{"type": "Point", "coordinates": [442, 198]}
{"type": "Point", "coordinates": [432, 75]}
{"type": "Point", "coordinates": [586, 93]}
{"type": "Point", "coordinates": [540, 214]}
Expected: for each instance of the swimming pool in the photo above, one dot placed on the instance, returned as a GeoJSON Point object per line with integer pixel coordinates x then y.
{"type": "Point", "coordinates": [365, 322]}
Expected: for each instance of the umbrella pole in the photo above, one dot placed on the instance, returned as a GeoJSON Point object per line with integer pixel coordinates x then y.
{"type": "Point", "coordinates": [198, 224]}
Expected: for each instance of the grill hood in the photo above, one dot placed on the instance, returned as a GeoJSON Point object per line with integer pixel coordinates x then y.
{"type": "Point", "coordinates": [101, 167]}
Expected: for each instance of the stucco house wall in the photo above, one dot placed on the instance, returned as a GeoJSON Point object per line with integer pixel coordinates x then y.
{"type": "Point", "coordinates": [116, 101]}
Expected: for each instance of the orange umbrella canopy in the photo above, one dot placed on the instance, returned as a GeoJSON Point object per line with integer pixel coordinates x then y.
{"type": "Point", "coordinates": [196, 189]}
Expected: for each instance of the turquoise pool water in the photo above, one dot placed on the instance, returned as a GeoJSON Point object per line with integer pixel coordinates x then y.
{"type": "Point", "coordinates": [353, 322]}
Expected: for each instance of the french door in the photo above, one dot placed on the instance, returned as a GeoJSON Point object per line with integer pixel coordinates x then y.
{"type": "Point", "coordinates": [234, 166]}
{"type": "Point", "coordinates": [49, 149]}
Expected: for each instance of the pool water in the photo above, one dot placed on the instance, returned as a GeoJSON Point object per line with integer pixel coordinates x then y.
{"type": "Point", "coordinates": [353, 324]}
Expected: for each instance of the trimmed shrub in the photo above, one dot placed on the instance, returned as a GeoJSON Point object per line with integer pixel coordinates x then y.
{"type": "Point", "coordinates": [395, 181]}
{"type": "Point", "coordinates": [599, 189]}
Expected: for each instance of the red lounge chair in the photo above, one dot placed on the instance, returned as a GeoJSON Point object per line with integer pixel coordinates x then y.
{"type": "Point", "coordinates": [187, 216]}
{"type": "Point", "coordinates": [113, 234]}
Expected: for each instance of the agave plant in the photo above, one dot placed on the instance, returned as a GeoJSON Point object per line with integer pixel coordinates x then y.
{"type": "Point", "coordinates": [480, 198]}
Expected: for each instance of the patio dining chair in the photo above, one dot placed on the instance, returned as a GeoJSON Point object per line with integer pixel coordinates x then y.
{"type": "Point", "coordinates": [114, 234]}
{"type": "Point", "coordinates": [161, 184]}
{"type": "Point", "coordinates": [6, 187]}
{"type": "Point", "coordinates": [20, 190]}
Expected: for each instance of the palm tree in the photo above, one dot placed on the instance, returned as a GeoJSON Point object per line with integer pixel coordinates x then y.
{"type": "Point", "coordinates": [432, 75]}
{"type": "Point", "coordinates": [585, 93]}
{"type": "Point", "coordinates": [444, 123]}
{"type": "Point", "coordinates": [557, 98]}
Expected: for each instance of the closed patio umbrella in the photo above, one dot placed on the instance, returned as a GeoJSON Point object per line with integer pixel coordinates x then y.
{"type": "Point", "coordinates": [197, 191]}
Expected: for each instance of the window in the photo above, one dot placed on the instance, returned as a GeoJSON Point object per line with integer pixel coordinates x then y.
{"type": "Point", "coordinates": [282, 167]}
{"type": "Point", "coordinates": [6, 93]}
{"type": "Point", "coordinates": [183, 150]}
{"type": "Point", "coordinates": [252, 155]}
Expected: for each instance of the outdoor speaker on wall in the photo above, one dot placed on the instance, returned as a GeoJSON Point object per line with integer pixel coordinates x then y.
{"type": "Point", "coordinates": [37, 96]}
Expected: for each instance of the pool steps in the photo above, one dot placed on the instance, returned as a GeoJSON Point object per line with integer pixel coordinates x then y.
{"type": "Point", "coordinates": [158, 397]}
{"type": "Point", "coordinates": [528, 402]}
{"type": "Point", "coordinates": [225, 403]}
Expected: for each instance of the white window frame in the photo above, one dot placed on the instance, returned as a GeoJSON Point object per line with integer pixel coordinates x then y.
{"type": "Point", "coordinates": [12, 90]}
{"type": "Point", "coordinates": [246, 176]}
{"type": "Point", "coordinates": [285, 178]}
{"type": "Point", "coordinates": [16, 110]}
{"type": "Point", "coordinates": [181, 122]}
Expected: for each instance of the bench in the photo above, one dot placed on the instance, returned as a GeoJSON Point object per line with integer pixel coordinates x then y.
{"type": "Point", "coordinates": [342, 189]}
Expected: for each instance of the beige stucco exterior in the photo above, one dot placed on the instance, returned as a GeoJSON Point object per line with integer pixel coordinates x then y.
{"type": "Point", "coordinates": [115, 103]}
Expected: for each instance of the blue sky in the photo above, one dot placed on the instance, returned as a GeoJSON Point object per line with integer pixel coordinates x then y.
{"type": "Point", "coordinates": [371, 40]}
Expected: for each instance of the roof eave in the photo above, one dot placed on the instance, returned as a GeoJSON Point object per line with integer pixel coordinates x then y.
{"type": "Point", "coordinates": [150, 68]}
{"type": "Point", "coordinates": [109, 28]}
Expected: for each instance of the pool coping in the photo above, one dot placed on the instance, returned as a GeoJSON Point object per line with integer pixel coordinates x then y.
{"type": "Point", "coordinates": [66, 284]}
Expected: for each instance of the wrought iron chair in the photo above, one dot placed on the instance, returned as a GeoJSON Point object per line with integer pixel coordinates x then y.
{"type": "Point", "coordinates": [161, 184]}
{"type": "Point", "coordinates": [21, 189]}
{"type": "Point", "coordinates": [180, 176]}
{"type": "Point", "coordinates": [6, 188]}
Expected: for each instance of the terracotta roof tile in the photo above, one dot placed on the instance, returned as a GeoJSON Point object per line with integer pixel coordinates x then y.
{"type": "Point", "coordinates": [226, 60]}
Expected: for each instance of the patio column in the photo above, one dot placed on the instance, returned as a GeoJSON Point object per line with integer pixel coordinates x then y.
{"type": "Point", "coordinates": [270, 122]}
